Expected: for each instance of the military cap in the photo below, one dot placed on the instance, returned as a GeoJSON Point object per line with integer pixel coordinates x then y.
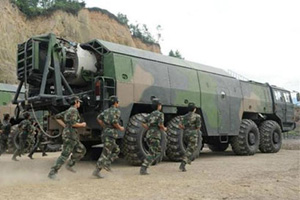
{"type": "Point", "coordinates": [76, 98]}
{"type": "Point", "coordinates": [26, 114]}
{"type": "Point", "coordinates": [156, 101]}
{"type": "Point", "coordinates": [113, 99]}
{"type": "Point", "coordinates": [191, 106]}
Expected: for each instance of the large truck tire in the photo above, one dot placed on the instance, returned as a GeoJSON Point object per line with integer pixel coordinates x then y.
{"type": "Point", "coordinates": [134, 147]}
{"type": "Point", "coordinates": [270, 137]}
{"type": "Point", "coordinates": [176, 146]}
{"type": "Point", "coordinates": [219, 147]}
{"type": "Point", "coordinates": [247, 142]}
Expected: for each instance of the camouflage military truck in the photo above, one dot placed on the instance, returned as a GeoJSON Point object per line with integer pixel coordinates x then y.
{"type": "Point", "coordinates": [7, 93]}
{"type": "Point", "coordinates": [248, 115]}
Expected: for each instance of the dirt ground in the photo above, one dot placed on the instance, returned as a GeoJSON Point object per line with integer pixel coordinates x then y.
{"type": "Point", "coordinates": [211, 176]}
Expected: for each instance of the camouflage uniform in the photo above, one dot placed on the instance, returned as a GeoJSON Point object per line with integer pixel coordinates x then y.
{"type": "Point", "coordinates": [6, 127]}
{"type": "Point", "coordinates": [24, 136]}
{"type": "Point", "coordinates": [192, 124]}
{"type": "Point", "coordinates": [111, 150]}
{"type": "Point", "coordinates": [71, 143]}
{"type": "Point", "coordinates": [38, 142]}
{"type": "Point", "coordinates": [1, 143]}
{"type": "Point", "coordinates": [153, 136]}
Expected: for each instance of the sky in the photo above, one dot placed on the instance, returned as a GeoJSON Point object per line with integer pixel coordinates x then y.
{"type": "Point", "coordinates": [257, 39]}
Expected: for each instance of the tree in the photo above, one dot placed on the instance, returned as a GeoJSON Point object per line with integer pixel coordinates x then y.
{"type": "Point", "coordinates": [177, 54]}
{"type": "Point", "coordinates": [123, 19]}
{"type": "Point", "coordinates": [33, 8]}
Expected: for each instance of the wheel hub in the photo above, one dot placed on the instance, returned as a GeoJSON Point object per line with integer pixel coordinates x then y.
{"type": "Point", "coordinates": [275, 137]}
{"type": "Point", "coordinates": [251, 138]}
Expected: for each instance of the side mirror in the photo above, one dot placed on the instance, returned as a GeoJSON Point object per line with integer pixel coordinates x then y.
{"type": "Point", "coordinates": [298, 96]}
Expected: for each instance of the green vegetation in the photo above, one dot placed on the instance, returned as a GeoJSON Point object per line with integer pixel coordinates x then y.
{"type": "Point", "coordinates": [177, 54]}
{"type": "Point", "coordinates": [33, 8]}
{"type": "Point", "coordinates": [140, 31]}
{"type": "Point", "coordinates": [123, 19]}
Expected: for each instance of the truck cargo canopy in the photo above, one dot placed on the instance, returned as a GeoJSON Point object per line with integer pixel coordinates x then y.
{"type": "Point", "coordinates": [134, 52]}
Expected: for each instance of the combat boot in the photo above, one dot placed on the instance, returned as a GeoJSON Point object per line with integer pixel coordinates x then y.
{"type": "Point", "coordinates": [182, 167]}
{"type": "Point", "coordinates": [52, 174]}
{"type": "Point", "coordinates": [14, 158]}
{"type": "Point", "coordinates": [30, 156]}
{"type": "Point", "coordinates": [71, 169]}
{"type": "Point", "coordinates": [44, 154]}
{"type": "Point", "coordinates": [105, 165]}
{"type": "Point", "coordinates": [96, 173]}
{"type": "Point", "coordinates": [143, 171]}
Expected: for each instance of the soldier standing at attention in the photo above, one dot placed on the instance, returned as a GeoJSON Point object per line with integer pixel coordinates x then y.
{"type": "Point", "coordinates": [6, 127]}
{"type": "Point", "coordinates": [70, 120]}
{"type": "Point", "coordinates": [191, 125]}
{"type": "Point", "coordinates": [27, 130]}
{"type": "Point", "coordinates": [155, 128]}
{"type": "Point", "coordinates": [109, 121]}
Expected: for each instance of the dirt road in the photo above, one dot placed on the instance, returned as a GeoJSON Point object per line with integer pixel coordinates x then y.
{"type": "Point", "coordinates": [212, 176]}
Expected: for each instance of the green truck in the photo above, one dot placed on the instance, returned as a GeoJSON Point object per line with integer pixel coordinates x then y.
{"type": "Point", "coordinates": [246, 114]}
{"type": "Point", "coordinates": [7, 93]}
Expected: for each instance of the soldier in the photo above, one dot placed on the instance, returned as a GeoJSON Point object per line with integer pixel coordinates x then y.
{"type": "Point", "coordinates": [38, 142]}
{"type": "Point", "coordinates": [1, 143]}
{"type": "Point", "coordinates": [5, 129]}
{"type": "Point", "coordinates": [70, 120]}
{"type": "Point", "coordinates": [27, 130]}
{"type": "Point", "coordinates": [155, 128]}
{"type": "Point", "coordinates": [109, 121]}
{"type": "Point", "coordinates": [191, 124]}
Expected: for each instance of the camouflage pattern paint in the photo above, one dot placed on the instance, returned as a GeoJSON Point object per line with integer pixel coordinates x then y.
{"type": "Point", "coordinates": [257, 97]}
{"type": "Point", "coordinates": [219, 95]}
{"type": "Point", "coordinates": [140, 75]}
{"type": "Point", "coordinates": [7, 93]}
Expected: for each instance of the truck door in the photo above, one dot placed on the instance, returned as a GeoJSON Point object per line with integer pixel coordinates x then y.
{"type": "Point", "coordinates": [215, 103]}
{"type": "Point", "coordinates": [280, 107]}
{"type": "Point", "coordinates": [289, 107]}
{"type": "Point", "coordinates": [223, 110]}
{"type": "Point", "coordinates": [284, 107]}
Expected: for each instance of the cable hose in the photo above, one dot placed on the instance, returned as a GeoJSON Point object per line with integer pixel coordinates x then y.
{"type": "Point", "coordinates": [26, 95]}
{"type": "Point", "coordinates": [41, 128]}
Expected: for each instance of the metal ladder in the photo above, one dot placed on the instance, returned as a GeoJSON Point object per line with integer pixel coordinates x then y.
{"type": "Point", "coordinates": [108, 89]}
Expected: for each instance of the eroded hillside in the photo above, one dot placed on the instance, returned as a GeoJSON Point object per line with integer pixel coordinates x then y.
{"type": "Point", "coordinates": [16, 28]}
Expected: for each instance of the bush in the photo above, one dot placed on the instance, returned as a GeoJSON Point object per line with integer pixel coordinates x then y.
{"type": "Point", "coordinates": [177, 54]}
{"type": "Point", "coordinates": [142, 33]}
{"type": "Point", "coordinates": [33, 8]}
{"type": "Point", "coordinates": [123, 19]}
